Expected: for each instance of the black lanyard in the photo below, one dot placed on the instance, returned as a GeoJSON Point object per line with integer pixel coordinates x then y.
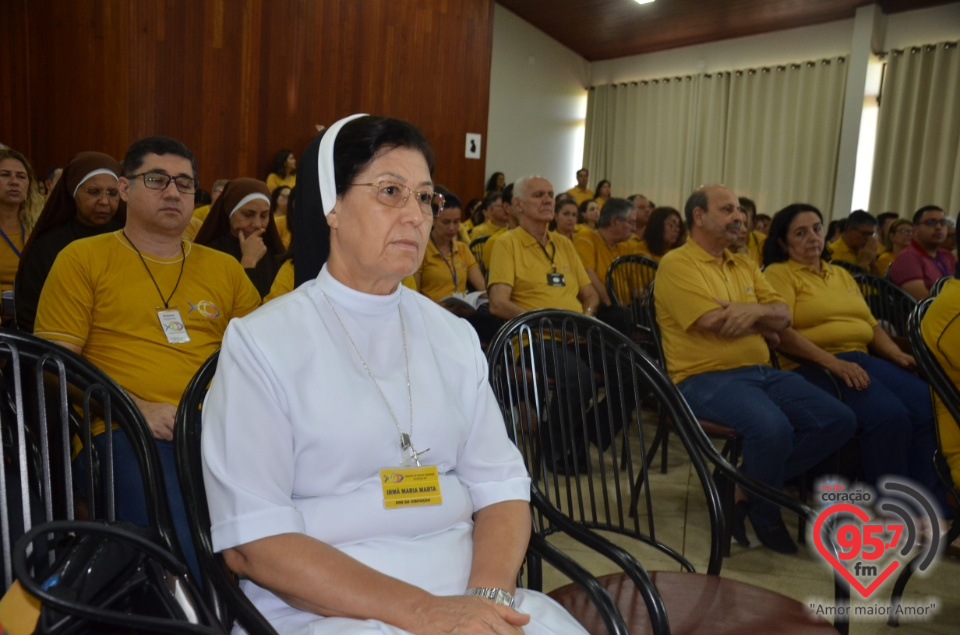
{"type": "Point", "coordinates": [451, 264]}
{"type": "Point", "coordinates": [10, 242]}
{"type": "Point", "coordinates": [549, 256]}
{"type": "Point", "coordinates": [183, 260]}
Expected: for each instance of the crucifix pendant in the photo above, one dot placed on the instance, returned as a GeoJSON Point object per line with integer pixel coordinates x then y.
{"type": "Point", "coordinates": [409, 457]}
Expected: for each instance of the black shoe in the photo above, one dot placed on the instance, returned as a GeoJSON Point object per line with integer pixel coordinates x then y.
{"type": "Point", "coordinates": [738, 529]}
{"type": "Point", "coordinates": [775, 537]}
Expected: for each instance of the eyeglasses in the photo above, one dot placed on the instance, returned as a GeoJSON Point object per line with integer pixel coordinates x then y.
{"type": "Point", "coordinates": [395, 195]}
{"type": "Point", "coordinates": [160, 181]}
{"type": "Point", "coordinates": [95, 193]}
{"type": "Point", "coordinates": [867, 233]}
{"type": "Point", "coordinates": [904, 231]}
{"type": "Point", "coordinates": [934, 222]}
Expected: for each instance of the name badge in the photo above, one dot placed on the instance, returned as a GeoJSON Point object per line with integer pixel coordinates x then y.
{"type": "Point", "coordinates": [555, 280]}
{"type": "Point", "coordinates": [172, 325]}
{"type": "Point", "coordinates": [410, 487]}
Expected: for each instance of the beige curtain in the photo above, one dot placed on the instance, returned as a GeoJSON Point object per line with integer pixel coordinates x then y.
{"type": "Point", "coordinates": [917, 158]}
{"type": "Point", "coordinates": [771, 134]}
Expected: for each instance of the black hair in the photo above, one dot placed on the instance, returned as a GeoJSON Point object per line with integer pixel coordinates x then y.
{"type": "Point", "coordinates": [773, 246]}
{"type": "Point", "coordinates": [582, 209]}
{"type": "Point", "coordinates": [279, 164]}
{"type": "Point", "coordinates": [159, 145]}
{"type": "Point", "coordinates": [450, 200]}
{"type": "Point", "coordinates": [201, 197]}
{"type": "Point", "coordinates": [275, 196]}
{"type": "Point", "coordinates": [52, 171]}
{"type": "Point", "coordinates": [361, 140]}
{"type": "Point", "coordinates": [748, 204]}
{"type": "Point", "coordinates": [917, 215]}
{"type": "Point", "coordinates": [859, 218]}
{"type": "Point", "coordinates": [492, 182]}
{"type": "Point", "coordinates": [615, 208]}
{"type": "Point", "coordinates": [653, 234]}
{"type": "Point", "coordinates": [697, 199]}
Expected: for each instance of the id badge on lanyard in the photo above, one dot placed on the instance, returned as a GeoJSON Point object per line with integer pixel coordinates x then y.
{"type": "Point", "coordinates": [172, 325]}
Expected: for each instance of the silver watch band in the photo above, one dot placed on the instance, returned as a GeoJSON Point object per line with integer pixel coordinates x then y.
{"type": "Point", "coordinates": [497, 595]}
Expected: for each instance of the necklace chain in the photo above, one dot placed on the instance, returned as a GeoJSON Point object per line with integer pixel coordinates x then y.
{"type": "Point", "coordinates": [405, 442]}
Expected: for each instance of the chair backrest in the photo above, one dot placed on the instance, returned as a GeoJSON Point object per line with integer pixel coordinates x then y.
{"type": "Point", "coordinates": [49, 399]}
{"type": "Point", "coordinates": [476, 248]}
{"type": "Point", "coordinates": [927, 362]}
{"type": "Point", "coordinates": [627, 282]}
{"type": "Point", "coordinates": [849, 266]}
{"type": "Point", "coordinates": [890, 305]}
{"type": "Point", "coordinates": [938, 285]}
{"type": "Point", "coordinates": [570, 384]}
{"type": "Point", "coordinates": [220, 585]}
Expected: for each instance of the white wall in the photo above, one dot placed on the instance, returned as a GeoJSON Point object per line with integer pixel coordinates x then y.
{"type": "Point", "coordinates": [924, 26]}
{"type": "Point", "coordinates": [538, 104]}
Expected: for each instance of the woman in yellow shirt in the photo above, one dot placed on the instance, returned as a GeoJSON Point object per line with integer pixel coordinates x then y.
{"type": "Point", "coordinates": [283, 170]}
{"type": "Point", "coordinates": [603, 193]}
{"type": "Point", "coordinates": [833, 329]}
{"type": "Point", "coordinates": [565, 219]}
{"type": "Point", "coordinates": [897, 239]}
{"type": "Point", "coordinates": [588, 213]}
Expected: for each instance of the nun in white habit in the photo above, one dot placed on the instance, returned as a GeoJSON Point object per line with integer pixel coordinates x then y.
{"type": "Point", "coordinates": [358, 471]}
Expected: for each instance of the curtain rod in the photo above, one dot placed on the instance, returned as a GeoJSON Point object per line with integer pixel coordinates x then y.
{"type": "Point", "coordinates": [918, 48]}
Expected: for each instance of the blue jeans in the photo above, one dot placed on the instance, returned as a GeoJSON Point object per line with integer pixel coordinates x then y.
{"type": "Point", "coordinates": [895, 416]}
{"type": "Point", "coordinates": [128, 489]}
{"type": "Point", "coordinates": [788, 425]}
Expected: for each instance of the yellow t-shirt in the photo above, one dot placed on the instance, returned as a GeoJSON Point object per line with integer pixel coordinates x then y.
{"type": "Point", "coordinates": [941, 331]}
{"type": "Point", "coordinates": [283, 282]}
{"type": "Point", "coordinates": [522, 263]}
{"type": "Point", "coordinates": [410, 282]}
{"type": "Point", "coordinates": [840, 251]}
{"type": "Point", "coordinates": [10, 259]}
{"type": "Point", "coordinates": [689, 283]}
{"type": "Point", "coordinates": [484, 229]}
{"type": "Point", "coordinates": [487, 253]}
{"type": "Point", "coordinates": [437, 274]}
{"type": "Point", "coordinates": [193, 227]}
{"type": "Point", "coordinates": [201, 212]}
{"type": "Point", "coordinates": [884, 261]}
{"type": "Point", "coordinates": [463, 234]}
{"type": "Point", "coordinates": [754, 246]}
{"type": "Point", "coordinates": [100, 297]}
{"type": "Point", "coordinates": [274, 181]}
{"type": "Point", "coordinates": [580, 195]}
{"type": "Point", "coordinates": [283, 230]}
{"type": "Point", "coordinates": [595, 253]}
{"type": "Point", "coordinates": [827, 307]}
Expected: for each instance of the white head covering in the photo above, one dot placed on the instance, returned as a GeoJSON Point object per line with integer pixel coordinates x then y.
{"type": "Point", "coordinates": [246, 199]}
{"type": "Point", "coordinates": [91, 175]}
{"type": "Point", "coordinates": [327, 178]}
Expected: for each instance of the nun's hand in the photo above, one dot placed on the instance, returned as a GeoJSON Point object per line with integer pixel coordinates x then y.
{"type": "Point", "coordinates": [252, 248]}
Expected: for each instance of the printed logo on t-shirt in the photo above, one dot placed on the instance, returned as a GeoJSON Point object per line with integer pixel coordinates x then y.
{"type": "Point", "coordinates": [205, 308]}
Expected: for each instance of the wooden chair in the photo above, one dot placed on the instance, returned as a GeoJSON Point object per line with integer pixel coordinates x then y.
{"type": "Point", "coordinates": [221, 587]}
{"type": "Point", "coordinates": [950, 396]}
{"type": "Point", "coordinates": [476, 248]}
{"type": "Point", "coordinates": [50, 397]}
{"type": "Point", "coordinates": [598, 497]}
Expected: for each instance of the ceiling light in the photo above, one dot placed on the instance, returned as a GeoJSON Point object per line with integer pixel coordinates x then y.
{"type": "Point", "coordinates": [643, 1]}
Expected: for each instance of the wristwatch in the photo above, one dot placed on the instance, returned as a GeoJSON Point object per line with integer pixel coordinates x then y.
{"type": "Point", "coordinates": [498, 596]}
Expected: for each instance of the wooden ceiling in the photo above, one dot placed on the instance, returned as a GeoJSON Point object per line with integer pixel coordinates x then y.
{"type": "Point", "coordinates": [607, 29]}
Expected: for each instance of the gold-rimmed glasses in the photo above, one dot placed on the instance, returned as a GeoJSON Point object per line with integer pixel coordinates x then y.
{"type": "Point", "coordinates": [394, 194]}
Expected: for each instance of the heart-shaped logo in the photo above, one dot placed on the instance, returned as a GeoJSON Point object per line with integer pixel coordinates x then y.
{"type": "Point", "coordinates": [852, 540]}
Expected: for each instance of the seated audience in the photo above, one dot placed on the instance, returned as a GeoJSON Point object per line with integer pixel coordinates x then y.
{"type": "Point", "coordinates": [858, 244]}
{"type": "Point", "coordinates": [665, 231]}
{"type": "Point", "coordinates": [495, 183]}
{"type": "Point", "coordinates": [920, 265]}
{"type": "Point", "coordinates": [283, 282]}
{"type": "Point", "coordinates": [494, 216]}
{"type": "Point", "coordinates": [283, 170]}
{"type": "Point", "coordinates": [715, 312]}
{"type": "Point", "coordinates": [603, 193]}
{"type": "Point", "coordinates": [332, 370]}
{"type": "Point", "coordinates": [85, 202]}
{"type": "Point", "coordinates": [834, 329]}
{"type": "Point", "coordinates": [588, 212]}
{"type": "Point", "coordinates": [941, 332]}
{"type": "Point", "coordinates": [897, 238]}
{"type": "Point", "coordinates": [762, 224]}
{"type": "Point", "coordinates": [512, 222]}
{"type": "Point", "coordinates": [200, 211]}
{"type": "Point", "coordinates": [884, 220]}
{"type": "Point", "coordinates": [20, 205]}
{"type": "Point", "coordinates": [565, 218]}
{"type": "Point", "coordinates": [753, 243]}
{"type": "Point", "coordinates": [644, 209]}
{"type": "Point", "coordinates": [240, 224]}
{"type": "Point", "coordinates": [101, 301]}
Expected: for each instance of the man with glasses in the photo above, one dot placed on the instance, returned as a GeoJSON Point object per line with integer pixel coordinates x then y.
{"type": "Point", "coordinates": [858, 244]}
{"type": "Point", "coordinates": [924, 262]}
{"type": "Point", "coordinates": [147, 308]}
{"type": "Point", "coordinates": [598, 248]}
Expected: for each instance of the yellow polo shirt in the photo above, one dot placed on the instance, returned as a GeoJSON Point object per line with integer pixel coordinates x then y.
{"type": "Point", "coordinates": [274, 181]}
{"type": "Point", "coordinates": [283, 230]}
{"type": "Point", "coordinates": [100, 297]}
{"type": "Point", "coordinates": [595, 253]}
{"type": "Point", "coordinates": [437, 273]}
{"type": "Point", "coordinates": [839, 250]}
{"type": "Point", "coordinates": [282, 282]}
{"type": "Point", "coordinates": [580, 195]}
{"type": "Point", "coordinates": [827, 307]}
{"type": "Point", "coordinates": [754, 246]}
{"type": "Point", "coordinates": [689, 283]}
{"type": "Point", "coordinates": [201, 212]}
{"type": "Point", "coordinates": [941, 331]}
{"type": "Point", "coordinates": [521, 262]}
{"type": "Point", "coordinates": [484, 229]}
{"type": "Point", "coordinates": [486, 254]}
{"type": "Point", "coordinates": [10, 259]}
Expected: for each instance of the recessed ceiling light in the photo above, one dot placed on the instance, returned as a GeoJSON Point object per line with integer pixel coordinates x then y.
{"type": "Point", "coordinates": [643, 1]}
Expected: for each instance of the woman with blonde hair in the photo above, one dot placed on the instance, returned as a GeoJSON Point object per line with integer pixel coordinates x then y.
{"type": "Point", "coordinates": [20, 205]}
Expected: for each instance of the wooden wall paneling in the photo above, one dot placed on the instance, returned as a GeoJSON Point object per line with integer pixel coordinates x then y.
{"type": "Point", "coordinates": [15, 50]}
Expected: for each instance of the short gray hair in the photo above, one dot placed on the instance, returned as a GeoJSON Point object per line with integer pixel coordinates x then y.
{"type": "Point", "coordinates": [615, 208]}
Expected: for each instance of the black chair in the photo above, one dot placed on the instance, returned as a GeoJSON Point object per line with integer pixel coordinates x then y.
{"type": "Point", "coordinates": [476, 248]}
{"type": "Point", "coordinates": [888, 303]}
{"type": "Point", "coordinates": [48, 398]}
{"type": "Point", "coordinates": [938, 285]}
{"type": "Point", "coordinates": [950, 396]}
{"type": "Point", "coordinates": [220, 585]}
{"type": "Point", "coordinates": [93, 577]}
{"type": "Point", "coordinates": [849, 266]}
{"type": "Point", "coordinates": [627, 282]}
{"type": "Point", "coordinates": [525, 353]}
